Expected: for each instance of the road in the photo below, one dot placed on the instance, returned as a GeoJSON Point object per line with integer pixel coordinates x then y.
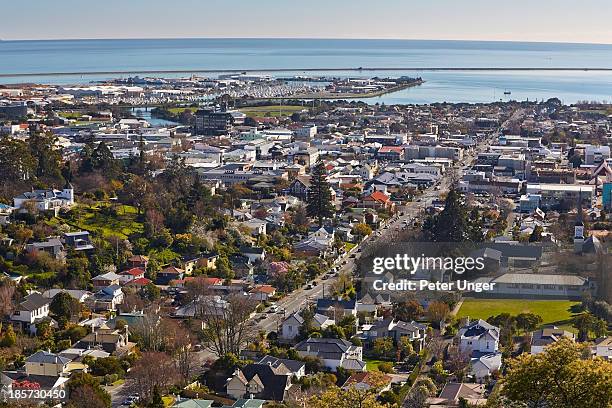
{"type": "Point", "coordinates": [298, 299]}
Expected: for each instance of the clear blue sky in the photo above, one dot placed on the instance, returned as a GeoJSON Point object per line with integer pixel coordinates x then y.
{"type": "Point", "coordinates": [514, 20]}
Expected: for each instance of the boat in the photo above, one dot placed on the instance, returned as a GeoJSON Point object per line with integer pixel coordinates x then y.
{"type": "Point", "coordinates": [507, 93]}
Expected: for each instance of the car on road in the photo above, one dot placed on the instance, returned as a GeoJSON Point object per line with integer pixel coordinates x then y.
{"type": "Point", "coordinates": [132, 399]}
{"type": "Point", "coordinates": [309, 286]}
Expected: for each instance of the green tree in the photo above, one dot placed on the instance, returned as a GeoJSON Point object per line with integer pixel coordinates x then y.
{"type": "Point", "coordinates": [9, 338]}
{"type": "Point", "coordinates": [454, 223]}
{"type": "Point", "coordinates": [64, 306]}
{"type": "Point", "coordinates": [362, 230]}
{"type": "Point", "coordinates": [528, 321]}
{"type": "Point", "coordinates": [82, 381]}
{"type": "Point", "coordinates": [319, 194]}
{"type": "Point", "coordinates": [564, 375]}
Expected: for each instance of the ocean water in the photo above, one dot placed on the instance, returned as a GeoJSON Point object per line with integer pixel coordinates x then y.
{"type": "Point", "coordinates": [187, 55]}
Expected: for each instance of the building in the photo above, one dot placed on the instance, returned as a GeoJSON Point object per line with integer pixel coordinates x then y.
{"type": "Point", "coordinates": [15, 110]}
{"type": "Point", "coordinates": [595, 155]}
{"type": "Point", "coordinates": [603, 347]}
{"type": "Point", "coordinates": [453, 393]}
{"type": "Point", "coordinates": [263, 381]}
{"type": "Point", "coordinates": [46, 363]}
{"type": "Point", "coordinates": [478, 337]}
{"type": "Point", "coordinates": [46, 200]}
{"type": "Point", "coordinates": [561, 196]}
{"type": "Point", "coordinates": [333, 353]}
{"type": "Point", "coordinates": [214, 123]}
{"type": "Point", "coordinates": [31, 310]}
{"type": "Point", "coordinates": [290, 328]}
{"type": "Point", "coordinates": [52, 246]}
{"type": "Point", "coordinates": [531, 285]}
{"type": "Point", "coordinates": [546, 336]}
{"type": "Point", "coordinates": [484, 366]}
{"type": "Point", "coordinates": [106, 279]}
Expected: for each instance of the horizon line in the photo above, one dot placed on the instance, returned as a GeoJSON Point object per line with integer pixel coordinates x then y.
{"type": "Point", "coordinates": [301, 38]}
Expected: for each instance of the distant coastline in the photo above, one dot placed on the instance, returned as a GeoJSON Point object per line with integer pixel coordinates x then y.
{"type": "Point", "coordinates": [265, 70]}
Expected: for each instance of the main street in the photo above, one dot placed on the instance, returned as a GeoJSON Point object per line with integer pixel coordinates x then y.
{"type": "Point", "coordinates": [345, 264]}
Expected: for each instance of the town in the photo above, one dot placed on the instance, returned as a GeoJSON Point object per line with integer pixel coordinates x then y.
{"type": "Point", "coordinates": [199, 242]}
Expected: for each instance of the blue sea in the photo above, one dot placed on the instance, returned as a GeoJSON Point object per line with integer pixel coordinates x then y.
{"type": "Point", "coordinates": [40, 57]}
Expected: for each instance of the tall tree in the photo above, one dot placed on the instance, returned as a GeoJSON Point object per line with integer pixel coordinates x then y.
{"type": "Point", "coordinates": [454, 223]}
{"type": "Point", "coordinates": [319, 194]}
{"type": "Point", "coordinates": [564, 375]}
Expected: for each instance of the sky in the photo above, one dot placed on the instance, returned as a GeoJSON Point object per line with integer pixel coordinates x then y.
{"type": "Point", "coordinates": [506, 20]}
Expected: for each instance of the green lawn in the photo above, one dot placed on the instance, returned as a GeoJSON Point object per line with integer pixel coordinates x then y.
{"type": "Point", "coordinates": [181, 109]}
{"type": "Point", "coordinates": [93, 219]}
{"type": "Point", "coordinates": [372, 365]}
{"type": "Point", "coordinates": [557, 312]}
{"type": "Point", "coordinates": [348, 246]}
{"type": "Point", "coordinates": [271, 110]}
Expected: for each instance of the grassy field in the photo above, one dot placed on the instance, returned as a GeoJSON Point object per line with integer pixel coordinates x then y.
{"type": "Point", "coordinates": [557, 312]}
{"type": "Point", "coordinates": [179, 110]}
{"type": "Point", "coordinates": [94, 219]}
{"type": "Point", "coordinates": [275, 111]}
{"type": "Point", "coordinates": [372, 365]}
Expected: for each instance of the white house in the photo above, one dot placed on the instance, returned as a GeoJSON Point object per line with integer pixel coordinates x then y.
{"type": "Point", "coordinates": [47, 199]}
{"type": "Point", "coordinates": [485, 365]}
{"type": "Point", "coordinates": [603, 347]}
{"type": "Point", "coordinates": [31, 310]}
{"type": "Point", "coordinates": [479, 336]}
{"type": "Point", "coordinates": [290, 327]}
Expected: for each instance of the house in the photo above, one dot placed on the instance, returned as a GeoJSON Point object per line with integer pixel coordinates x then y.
{"type": "Point", "coordinates": [79, 241]}
{"type": "Point", "coordinates": [138, 283]}
{"type": "Point", "coordinates": [318, 243]}
{"type": "Point", "coordinates": [52, 246]}
{"type": "Point", "coordinates": [46, 200]}
{"type": "Point", "coordinates": [484, 366]}
{"type": "Point", "coordinates": [262, 381]}
{"type": "Point", "coordinates": [336, 308]}
{"type": "Point", "coordinates": [31, 310]}
{"type": "Point", "coordinates": [363, 381]}
{"type": "Point", "coordinates": [113, 341]}
{"type": "Point", "coordinates": [548, 335]}
{"type": "Point", "coordinates": [131, 274]}
{"type": "Point", "coordinates": [256, 226]}
{"type": "Point", "coordinates": [204, 260]}
{"type": "Point", "coordinates": [254, 254]}
{"type": "Point", "coordinates": [20, 380]}
{"type": "Point", "coordinates": [478, 337]}
{"type": "Point", "coordinates": [191, 403]}
{"type": "Point", "coordinates": [321, 321]}
{"type": "Point", "coordinates": [46, 363]}
{"type": "Point", "coordinates": [295, 368]}
{"type": "Point", "coordinates": [168, 274]}
{"type": "Point", "coordinates": [333, 353]}
{"type": "Point", "coordinates": [396, 329]}
{"type": "Point", "coordinates": [290, 327]}
{"type": "Point", "coordinates": [603, 347]}
{"type": "Point", "coordinates": [106, 279]}
{"type": "Point", "coordinates": [80, 295]}
{"type": "Point", "coordinates": [300, 187]}
{"type": "Point", "coordinates": [378, 200]}
{"type": "Point", "coordinates": [262, 293]}
{"type": "Point", "coordinates": [452, 393]}
{"type": "Point", "coordinates": [5, 214]}
{"type": "Point", "coordinates": [106, 299]}
{"type": "Point", "coordinates": [138, 261]}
